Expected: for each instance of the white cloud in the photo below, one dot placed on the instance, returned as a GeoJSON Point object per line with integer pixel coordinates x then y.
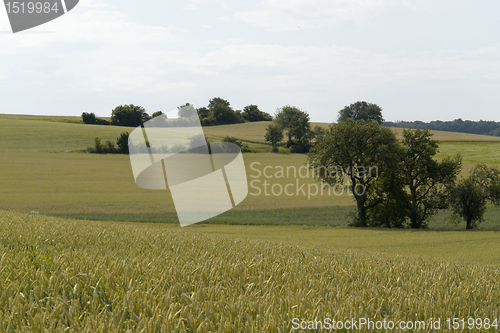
{"type": "Point", "coordinates": [289, 15]}
{"type": "Point", "coordinates": [94, 4]}
{"type": "Point", "coordinates": [102, 52]}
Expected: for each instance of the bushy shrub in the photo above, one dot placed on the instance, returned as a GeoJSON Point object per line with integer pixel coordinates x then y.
{"type": "Point", "coordinates": [300, 148]}
{"type": "Point", "coordinates": [109, 147]}
{"type": "Point", "coordinates": [122, 143]}
{"type": "Point", "coordinates": [88, 118]}
{"type": "Point", "coordinates": [100, 121]}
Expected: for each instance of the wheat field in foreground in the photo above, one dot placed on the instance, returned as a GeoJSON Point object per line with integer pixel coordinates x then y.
{"type": "Point", "coordinates": [67, 275]}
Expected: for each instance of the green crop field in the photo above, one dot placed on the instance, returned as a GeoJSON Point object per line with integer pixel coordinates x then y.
{"type": "Point", "coordinates": [101, 277]}
{"type": "Point", "coordinates": [37, 135]}
{"type": "Point", "coordinates": [74, 257]}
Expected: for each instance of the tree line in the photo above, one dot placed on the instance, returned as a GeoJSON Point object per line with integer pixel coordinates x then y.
{"type": "Point", "coordinates": [457, 125]}
{"type": "Point", "coordinates": [410, 185]}
{"type": "Point", "coordinates": [217, 112]}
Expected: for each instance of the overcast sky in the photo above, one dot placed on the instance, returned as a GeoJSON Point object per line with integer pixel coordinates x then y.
{"type": "Point", "coordinates": [417, 59]}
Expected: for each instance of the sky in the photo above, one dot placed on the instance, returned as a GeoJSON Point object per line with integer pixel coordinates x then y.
{"type": "Point", "coordinates": [416, 59]}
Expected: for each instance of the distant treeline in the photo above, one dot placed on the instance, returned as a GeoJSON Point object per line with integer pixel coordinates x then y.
{"type": "Point", "coordinates": [457, 125]}
{"type": "Point", "coordinates": [218, 112]}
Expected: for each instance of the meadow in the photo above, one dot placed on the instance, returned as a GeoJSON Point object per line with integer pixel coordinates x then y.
{"type": "Point", "coordinates": [79, 252]}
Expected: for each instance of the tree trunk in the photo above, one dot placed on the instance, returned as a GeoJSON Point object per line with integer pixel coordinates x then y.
{"type": "Point", "coordinates": [361, 212]}
{"type": "Point", "coordinates": [469, 224]}
{"type": "Point", "coordinates": [413, 216]}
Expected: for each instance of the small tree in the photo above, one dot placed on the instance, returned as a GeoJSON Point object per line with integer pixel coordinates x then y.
{"type": "Point", "coordinates": [468, 198]}
{"type": "Point", "coordinates": [129, 115]}
{"type": "Point", "coordinates": [295, 122]}
{"type": "Point", "coordinates": [274, 134]}
{"type": "Point", "coordinates": [122, 143]}
{"type": "Point", "coordinates": [98, 147]}
{"type": "Point", "coordinates": [88, 118]}
{"type": "Point", "coordinates": [362, 111]}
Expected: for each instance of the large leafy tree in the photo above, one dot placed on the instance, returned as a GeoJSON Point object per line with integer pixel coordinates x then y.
{"type": "Point", "coordinates": [358, 151]}
{"type": "Point", "coordinates": [217, 100]}
{"type": "Point", "coordinates": [468, 198]}
{"type": "Point", "coordinates": [362, 111]}
{"type": "Point", "coordinates": [129, 115]}
{"type": "Point", "coordinates": [427, 179]}
{"type": "Point", "coordinates": [295, 122]}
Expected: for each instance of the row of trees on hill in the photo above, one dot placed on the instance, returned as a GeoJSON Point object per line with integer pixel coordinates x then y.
{"type": "Point", "coordinates": [457, 125]}
{"type": "Point", "coordinates": [397, 183]}
{"type": "Point", "coordinates": [217, 112]}
{"type": "Point", "coordinates": [123, 115]}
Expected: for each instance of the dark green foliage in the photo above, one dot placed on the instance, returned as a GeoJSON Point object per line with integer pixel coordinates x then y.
{"type": "Point", "coordinates": [411, 183]}
{"type": "Point", "coordinates": [109, 147]}
{"type": "Point", "coordinates": [353, 150]}
{"type": "Point", "coordinates": [362, 111]}
{"type": "Point", "coordinates": [98, 147]}
{"type": "Point", "coordinates": [426, 179]}
{"type": "Point", "coordinates": [88, 118]}
{"type": "Point", "coordinates": [122, 143]}
{"type": "Point", "coordinates": [223, 114]}
{"type": "Point", "coordinates": [217, 100]}
{"type": "Point", "coordinates": [296, 124]}
{"type": "Point", "coordinates": [394, 201]}
{"type": "Point", "coordinates": [457, 125]}
{"type": "Point", "coordinates": [300, 148]}
{"type": "Point", "coordinates": [156, 114]}
{"type": "Point", "coordinates": [318, 131]}
{"type": "Point", "coordinates": [495, 132]}
{"type": "Point", "coordinates": [252, 113]}
{"type": "Point", "coordinates": [100, 121]}
{"type": "Point", "coordinates": [129, 115]}
{"type": "Point", "coordinates": [274, 134]}
{"type": "Point", "coordinates": [468, 198]}
{"type": "Point", "coordinates": [219, 112]}
{"type": "Point", "coordinates": [203, 112]}
{"type": "Point", "coordinates": [243, 146]}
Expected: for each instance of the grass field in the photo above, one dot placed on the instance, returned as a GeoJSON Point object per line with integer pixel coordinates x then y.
{"type": "Point", "coordinates": [101, 187]}
{"type": "Point", "coordinates": [52, 134]}
{"type": "Point", "coordinates": [33, 135]}
{"type": "Point", "coordinates": [252, 269]}
{"type": "Point", "coordinates": [102, 277]}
